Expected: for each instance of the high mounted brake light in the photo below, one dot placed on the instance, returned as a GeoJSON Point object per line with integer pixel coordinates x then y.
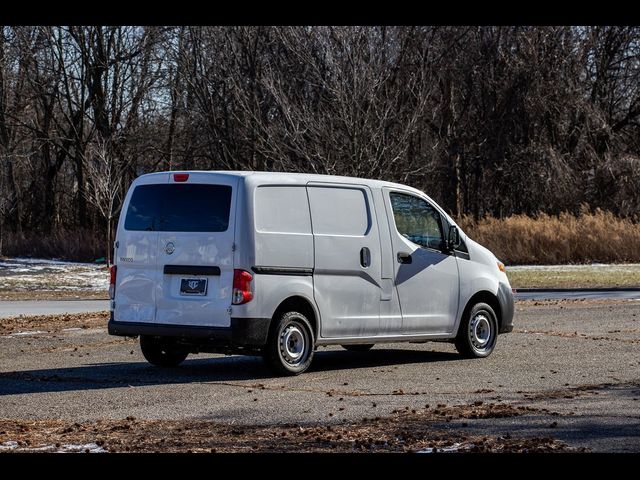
{"type": "Point", "coordinates": [180, 177]}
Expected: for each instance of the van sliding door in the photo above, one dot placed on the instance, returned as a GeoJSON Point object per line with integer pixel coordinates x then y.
{"type": "Point", "coordinates": [347, 272]}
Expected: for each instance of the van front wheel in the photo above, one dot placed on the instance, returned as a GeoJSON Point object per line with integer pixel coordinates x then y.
{"type": "Point", "coordinates": [289, 350]}
{"type": "Point", "coordinates": [478, 332]}
{"type": "Point", "coordinates": [161, 352]}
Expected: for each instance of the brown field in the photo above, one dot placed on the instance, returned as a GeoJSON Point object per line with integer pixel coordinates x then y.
{"type": "Point", "coordinates": [575, 276]}
{"type": "Point", "coordinates": [565, 239]}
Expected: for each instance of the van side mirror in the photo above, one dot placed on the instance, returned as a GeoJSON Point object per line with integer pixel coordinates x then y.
{"type": "Point", "coordinates": [454, 238]}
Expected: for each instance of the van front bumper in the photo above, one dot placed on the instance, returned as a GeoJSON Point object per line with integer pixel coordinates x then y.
{"type": "Point", "coordinates": [507, 308]}
{"type": "Point", "coordinates": [243, 332]}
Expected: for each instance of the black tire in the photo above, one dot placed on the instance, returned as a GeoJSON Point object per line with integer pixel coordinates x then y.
{"type": "Point", "coordinates": [358, 348]}
{"type": "Point", "coordinates": [289, 349]}
{"type": "Point", "coordinates": [162, 352]}
{"type": "Point", "coordinates": [478, 332]}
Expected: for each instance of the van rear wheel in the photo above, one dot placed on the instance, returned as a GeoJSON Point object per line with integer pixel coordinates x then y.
{"type": "Point", "coordinates": [478, 332]}
{"type": "Point", "coordinates": [358, 348]}
{"type": "Point", "coordinates": [289, 349]}
{"type": "Point", "coordinates": [162, 352]}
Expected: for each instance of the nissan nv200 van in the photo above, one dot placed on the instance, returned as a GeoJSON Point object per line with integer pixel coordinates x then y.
{"type": "Point", "coordinates": [277, 264]}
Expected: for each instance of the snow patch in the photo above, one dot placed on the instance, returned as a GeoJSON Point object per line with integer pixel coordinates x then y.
{"type": "Point", "coordinates": [456, 447]}
{"type": "Point", "coordinates": [25, 334]}
{"type": "Point", "coordinates": [65, 448]}
{"type": "Point", "coordinates": [29, 274]}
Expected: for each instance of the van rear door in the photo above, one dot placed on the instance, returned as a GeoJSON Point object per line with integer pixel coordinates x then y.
{"type": "Point", "coordinates": [194, 221]}
{"type": "Point", "coordinates": [136, 253]}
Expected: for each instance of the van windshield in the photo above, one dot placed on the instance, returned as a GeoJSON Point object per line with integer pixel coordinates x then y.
{"type": "Point", "coordinates": [179, 208]}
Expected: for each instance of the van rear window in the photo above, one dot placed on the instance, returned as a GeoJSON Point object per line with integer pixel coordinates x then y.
{"type": "Point", "coordinates": [179, 208]}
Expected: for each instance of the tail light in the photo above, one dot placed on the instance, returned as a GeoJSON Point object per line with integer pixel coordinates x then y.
{"type": "Point", "coordinates": [112, 281]}
{"type": "Point", "coordinates": [242, 292]}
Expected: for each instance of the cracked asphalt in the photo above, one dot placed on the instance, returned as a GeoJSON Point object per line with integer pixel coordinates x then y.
{"type": "Point", "coordinates": [576, 363]}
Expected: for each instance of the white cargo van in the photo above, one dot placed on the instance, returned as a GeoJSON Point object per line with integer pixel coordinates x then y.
{"type": "Point", "coordinates": [278, 264]}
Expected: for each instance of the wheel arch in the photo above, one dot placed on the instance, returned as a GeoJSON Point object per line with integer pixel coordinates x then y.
{"type": "Point", "coordinates": [483, 296]}
{"type": "Point", "coordinates": [300, 304]}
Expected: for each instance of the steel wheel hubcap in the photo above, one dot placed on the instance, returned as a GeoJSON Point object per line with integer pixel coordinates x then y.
{"type": "Point", "coordinates": [292, 344]}
{"type": "Point", "coordinates": [480, 331]}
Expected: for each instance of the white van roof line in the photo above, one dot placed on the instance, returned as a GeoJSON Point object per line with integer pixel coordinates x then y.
{"type": "Point", "coordinates": [309, 177]}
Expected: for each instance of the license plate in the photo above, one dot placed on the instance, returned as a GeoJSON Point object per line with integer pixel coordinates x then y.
{"type": "Point", "coordinates": [193, 286]}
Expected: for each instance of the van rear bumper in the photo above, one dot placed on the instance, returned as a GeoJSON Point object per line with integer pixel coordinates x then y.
{"type": "Point", "coordinates": [243, 332]}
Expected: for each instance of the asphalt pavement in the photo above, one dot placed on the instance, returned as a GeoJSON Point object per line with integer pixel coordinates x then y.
{"type": "Point", "coordinates": [573, 368]}
{"type": "Point", "coordinates": [50, 307]}
{"type": "Point", "coordinates": [583, 293]}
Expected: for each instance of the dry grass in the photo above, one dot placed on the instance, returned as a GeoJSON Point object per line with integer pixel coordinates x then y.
{"type": "Point", "coordinates": [564, 239]}
{"type": "Point", "coordinates": [517, 240]}
{"type": "Point", "coordinates": [575, 276]}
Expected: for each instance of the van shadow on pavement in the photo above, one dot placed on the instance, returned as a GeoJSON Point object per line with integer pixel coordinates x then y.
{"type": "Point", "coordinates": [195, 370]}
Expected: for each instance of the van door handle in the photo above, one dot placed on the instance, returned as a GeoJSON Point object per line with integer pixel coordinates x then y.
{"type": "Point", "coordinates": [404, 257]}
{"type": "Point", "coordinates": [365, 257]}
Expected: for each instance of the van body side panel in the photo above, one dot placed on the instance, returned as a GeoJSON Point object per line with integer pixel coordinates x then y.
{"type": "Point", "coordinates": [282, 222]}
{"type": "Point", "coordinates": [347, 272]}
{"type": "Point", "coordinates": [275, 238]}
{"type": "Point", "coordinates": [270, 291]}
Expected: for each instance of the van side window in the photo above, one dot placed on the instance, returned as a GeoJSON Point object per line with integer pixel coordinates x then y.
{"type": "Point", "coordinates": [416, 220]}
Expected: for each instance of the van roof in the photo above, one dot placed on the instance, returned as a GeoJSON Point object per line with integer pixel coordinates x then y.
{"type": "Point", "coordinates": [292, 178]}
{"type": "Point", "coordinates": [272, 177]}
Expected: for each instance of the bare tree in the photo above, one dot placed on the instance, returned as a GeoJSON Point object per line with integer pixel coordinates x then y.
{"type": "Point", "coordinates": [488, 120]}
{"type": "Point", "coordinates": [105, 190]}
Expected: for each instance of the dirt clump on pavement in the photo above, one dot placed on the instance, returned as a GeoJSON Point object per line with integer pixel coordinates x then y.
{"type": "Point", "coordinates": [570, 302]}
{"type": "Point", "coordinates": [404, 431]}
{"type": "Point", "coordinates": [53, 323]}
